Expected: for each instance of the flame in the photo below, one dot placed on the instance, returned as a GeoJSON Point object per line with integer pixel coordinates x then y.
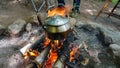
{"type": "Point", "coordinates": [51, 60]}
{"type": "Point", "coordinates": [33, 53]}
{"type": "Point", "coordinates": [25, 55]}
{"type": "Point", "coordinates": [55, 43]}
{"type": "Point", "coordinates": [47, 41]}
{"type": "Point", "coordinates": [73, 51]}
{"type": "Point", "coordinates": [30, 53]}
{"type": "Point", "coordinates": [57, 11]}
{"type": "Point", "coordinates": [53, 55]}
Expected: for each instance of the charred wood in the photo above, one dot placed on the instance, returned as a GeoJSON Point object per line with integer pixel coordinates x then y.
{"type": "Point", "coordinates": [42, 57]}
{"type": "Point", "coordinates": [63, 55]}
{"type": "Point", "coordinates": [60, 62]}
{"type": "Point", "coordinates": [32, 45]}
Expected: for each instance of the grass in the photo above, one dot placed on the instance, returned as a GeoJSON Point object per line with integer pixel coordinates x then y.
{"type": "Point", "coordinates": [114, 1]}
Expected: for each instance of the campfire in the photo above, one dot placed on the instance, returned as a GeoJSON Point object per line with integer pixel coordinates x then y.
{"type": "Point", "coordinates": [55, 40]}
{"type": "Point", "coordinates": [48, 55]}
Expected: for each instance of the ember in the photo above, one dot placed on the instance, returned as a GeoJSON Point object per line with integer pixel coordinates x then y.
{"type": "Point", "coordinates": [51, 60]}
{"type": "Point", "coordinates": [53, 55]}
{"type": "Point", "coordinates": [73, 50]}
{"type": "Point", "coordinates": [62, 37]}
{"type": "Point", "coordinates": [47, 41]}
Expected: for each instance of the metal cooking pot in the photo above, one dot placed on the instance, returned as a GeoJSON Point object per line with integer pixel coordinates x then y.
{"type": "Point", "coordinates": [57, 27]}
{"type": "Point", "coordinates": [57, 24]}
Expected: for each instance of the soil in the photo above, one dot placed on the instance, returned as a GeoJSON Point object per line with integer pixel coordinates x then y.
{"type": "Point", "coordinates": [11, 10]}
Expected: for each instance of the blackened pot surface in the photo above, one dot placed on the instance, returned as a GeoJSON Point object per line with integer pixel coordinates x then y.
{"type": "Point", "coordinates": [58, 36]}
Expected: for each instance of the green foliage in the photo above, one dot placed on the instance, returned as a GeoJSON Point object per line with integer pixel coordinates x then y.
{"type": "Point", "coordinates": [114, 1]}
{"type": "Point", "coordinates": [101, 0]}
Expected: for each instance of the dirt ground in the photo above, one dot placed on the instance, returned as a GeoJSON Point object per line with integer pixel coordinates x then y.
{"type": "Point", "coordinates": [11, 10]}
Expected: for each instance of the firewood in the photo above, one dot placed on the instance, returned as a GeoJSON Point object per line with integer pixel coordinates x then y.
{"type": "Point", "coordinates": [43, 55]}
{"type": "Point", "coordinates": [85, 46]}
{"type": "Point", "coordinates": [61, 59]}
{"type": "Point", "coordinates": [70, 64]}
{"type": "Point", "coordinates": [60, 62]}
{"type": "Point", "coordinates": [31, 45]}
{"type": "Point", "coordinates": [80, 45]}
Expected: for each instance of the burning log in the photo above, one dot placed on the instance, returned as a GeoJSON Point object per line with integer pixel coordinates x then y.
{"type": "Point", "coordinates": [60, 62]}
{"type": "Point", "coordinates": [41, 58]}
{"type": "Point", "coordinates": [31, 45]}
{"type": "Point", "coordinates": [25, 48]}
{"type": "Point", "coordinates": [73, 50]}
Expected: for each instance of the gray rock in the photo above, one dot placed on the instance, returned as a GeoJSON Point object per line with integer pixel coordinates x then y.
{"type": "Point", "coordinates": [107, 36]}
{"type": "Point", "coordinates": [88, 27]}
{"type": "Point", "coordinates": [42, 16]}
{"type": "Point", "coordinates": [104, 38]}
{"type": "Point", "coordinates": [72, 21]}
{"type": "Point", "coordinates": [116, 53]}
{"type": "Point", "coordinates": [2, 29]}
{"type": "Point", "coordinates": [16, 27]}
{"type": "Point", "coordinates": [33, 18]}
{"type": "Point", "coordinates": [16, 60]}
{"type": "Point", "coordinates": [115, 49]}
{"type": "Point", "coordinates": [29, 27]}
{"type": "Point", "coordinates": [1, 26]}
{"type": "Point", "coordinates": [111, 34]}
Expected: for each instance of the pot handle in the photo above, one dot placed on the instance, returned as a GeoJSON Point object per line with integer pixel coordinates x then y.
{"type": "Point", "coordinates": [41, 23]}
{"type": "Point", "coordinates": [39, 20]}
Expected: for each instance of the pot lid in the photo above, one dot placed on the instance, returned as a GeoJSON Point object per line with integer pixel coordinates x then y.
{"type": "Point", "coordinates": [56, 20]}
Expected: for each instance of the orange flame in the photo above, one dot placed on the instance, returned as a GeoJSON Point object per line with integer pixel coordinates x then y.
{"type": "Point", "coordinates": [47, 41]}
{"type": "Point", "coordinates": [53, 55]}
{"type": "Point", "coordinates": [30, 53]}
{"type": "Point", "coordinates": [73, 51]}
{"type": "Point", "coordinates": [55, 44]}
{"type": "Point", "coordinates": [51, 60]}
{"type": "Point", "coordinates": [57, 11]}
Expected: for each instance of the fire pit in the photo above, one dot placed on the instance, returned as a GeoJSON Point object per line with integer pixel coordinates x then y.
{"type": "Point", "coordinates": [57, 28]}
{"type": "Point", "coordinates": [52, 54]}
{"type": "Point", "coordinates": [58, 48]}
{"type": "Point", "coordinates": [83, 47]}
